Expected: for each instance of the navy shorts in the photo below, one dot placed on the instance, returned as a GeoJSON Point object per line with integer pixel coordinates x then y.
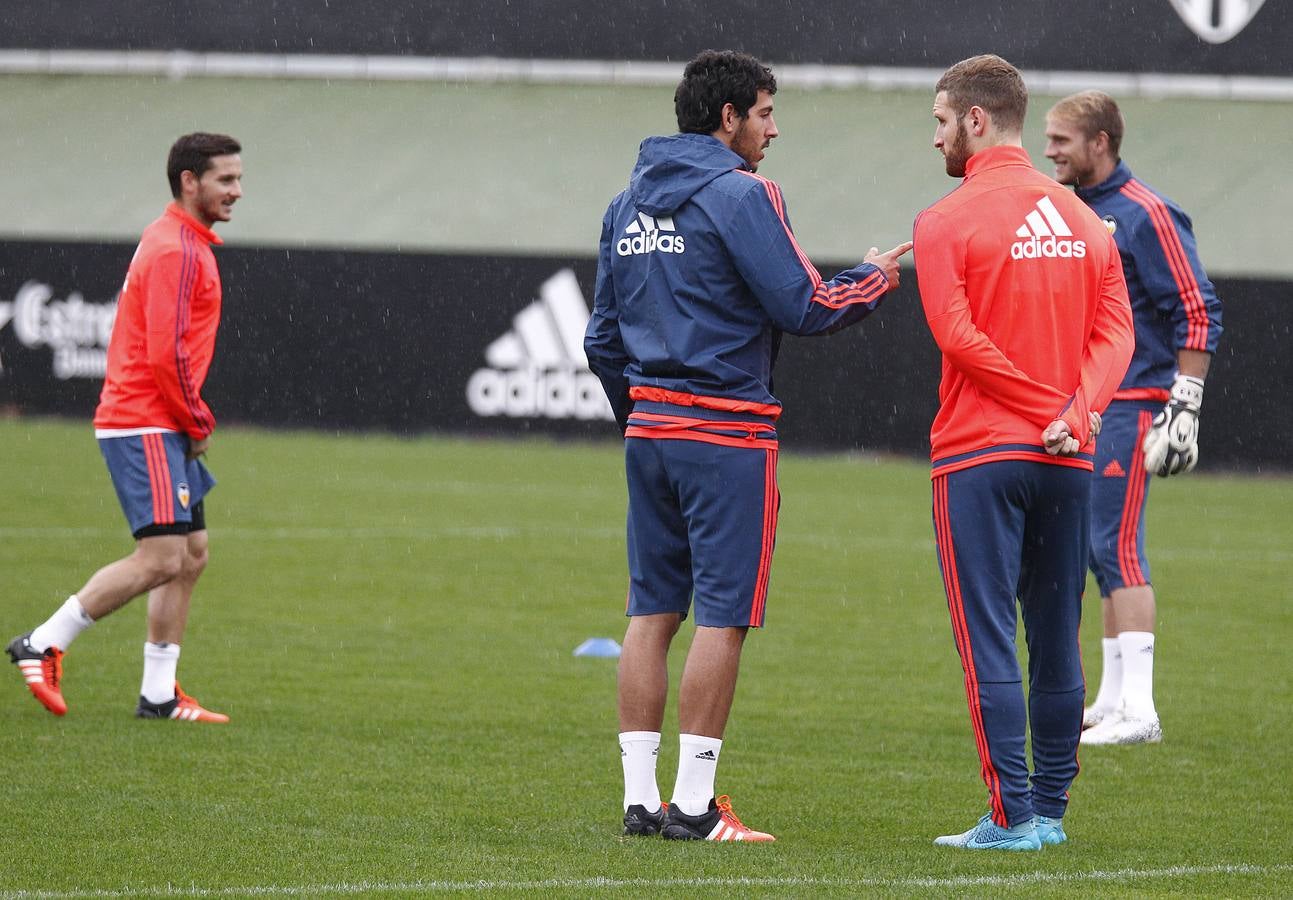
{"type": "Point", "coordinates": [1119, 489]}
{"type": "Point", "coordinates": [158, 488]}
{"type": "Point", "coordinates": [702, 520]}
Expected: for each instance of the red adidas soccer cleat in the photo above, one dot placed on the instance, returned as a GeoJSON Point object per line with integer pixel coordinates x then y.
{"type": "Point", "coordinates": [718, 824]}
{"type": "Point", "coordinates": [183, 708]}
{"type": "Point", "coordinates": [42, 670]}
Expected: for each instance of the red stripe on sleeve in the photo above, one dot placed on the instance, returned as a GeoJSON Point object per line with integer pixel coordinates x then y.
{"type": "Point", "coordinates": [779, 207]}
{"type": "Point", "coordinates": [1169, 238]}
{"type": "Point", "coordinates": [865, 291]}
{"type": "Point", "coordinates": [184, 301]}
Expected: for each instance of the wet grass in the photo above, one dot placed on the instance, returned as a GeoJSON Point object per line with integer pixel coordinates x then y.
{"type": "Point", "coordinates": [390, 623]}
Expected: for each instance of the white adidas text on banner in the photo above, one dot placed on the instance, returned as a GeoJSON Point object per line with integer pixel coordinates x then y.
{"type": "Point", "coordinates": [538, 369]}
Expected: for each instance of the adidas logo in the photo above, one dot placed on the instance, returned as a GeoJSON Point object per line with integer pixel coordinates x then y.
{"type": "Point", "coordinates": [1114, 470]}
{"type": "Point", "coordinates": [707, 754]}
{"type": "Point", "coordinates": [1046, 235]}
{"type": "Point", "coordinates": [538, 368]}
{"type": "Point", "coordinates": [646, 236]}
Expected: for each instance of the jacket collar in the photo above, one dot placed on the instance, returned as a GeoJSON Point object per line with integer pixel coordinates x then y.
{"type": "Point", "coordinates": [174, 209]}
{"type": "Point", "coordinates": [1121, 175]}
{"type": "Point", "coordinates": [996, 157]}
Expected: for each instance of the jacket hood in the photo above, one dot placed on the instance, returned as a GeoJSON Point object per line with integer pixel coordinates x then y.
{"type": "Point", "coordinates": [1111, 185]}
{"type": "Point", "coordinates": [670, 170]}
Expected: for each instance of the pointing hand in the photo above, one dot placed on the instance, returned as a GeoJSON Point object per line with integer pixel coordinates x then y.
{"type": "Point", "coordinates": [888, 262]}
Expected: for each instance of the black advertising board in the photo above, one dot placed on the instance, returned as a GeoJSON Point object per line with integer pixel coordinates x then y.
{"type": "Point", "coordinates": [411, 343]}
{"type": "Point", "coordinates": [1234, 37]}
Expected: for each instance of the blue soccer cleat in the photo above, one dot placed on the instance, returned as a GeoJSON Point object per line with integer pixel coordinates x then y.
{"type": "Point", "coordinates": [1050, 831]}
{"type": "Point", "coordinates": [987, 835]}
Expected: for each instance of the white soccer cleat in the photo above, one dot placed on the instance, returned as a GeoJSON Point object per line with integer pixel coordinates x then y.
{"type": "Point", "coordinates": [1120, 729]}
{"type": "Point", "coordinates": [1094, 715]}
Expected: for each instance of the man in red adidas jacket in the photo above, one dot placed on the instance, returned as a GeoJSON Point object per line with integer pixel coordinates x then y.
{"type": "Point", "coordinates": [153, 425]}
{"type": "Point", "coordinates": [1024, 293]}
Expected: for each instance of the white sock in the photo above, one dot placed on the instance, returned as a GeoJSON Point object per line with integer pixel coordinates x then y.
{"type": "Point", "coordinates": [160, 663]}
{"type": "Point", "coordinates": [60, 629]}
{"type": "Point", "coordinates": [1110, 693]}
{"type": "Point", "coordinates": [697, 762]}
{"type": "Point", "coordinates": [1138, 674]}
{"type": "Point", "coordinates": [638, 753]}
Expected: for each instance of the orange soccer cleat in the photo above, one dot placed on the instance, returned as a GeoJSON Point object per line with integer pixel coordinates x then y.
{"type": "Point", "coordinates": [183, 707]}
{"type": "Point", "coordinates": [718, 824]}
{"type": "Point", "coordinates": [42, 670]}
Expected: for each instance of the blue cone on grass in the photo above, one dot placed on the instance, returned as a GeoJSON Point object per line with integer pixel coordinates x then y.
{"type": "Point", "coordinates": [607, 647]}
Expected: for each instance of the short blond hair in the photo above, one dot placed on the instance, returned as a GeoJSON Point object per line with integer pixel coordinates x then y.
{"type": "Point", "coordinates": [990, 82]}
{"type": "Point", "coordinates": [1092, 112]}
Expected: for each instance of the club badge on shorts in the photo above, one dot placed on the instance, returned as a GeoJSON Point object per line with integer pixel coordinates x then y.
{"type": "Point", "coordinates": [183, 493]}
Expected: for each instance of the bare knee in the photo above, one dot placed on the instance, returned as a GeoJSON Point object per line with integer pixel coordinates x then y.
{"type": "Point", "coordinates": [159, 569]}
{"type": "Point", "coordinates": [160, 559]}
{"type": "Point", "coordinates": [655, 630]}
{"type": "Point", "coordinates": [196, 555]}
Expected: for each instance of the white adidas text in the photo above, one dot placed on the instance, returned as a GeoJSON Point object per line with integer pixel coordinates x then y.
{"type": "Point", "coordinates": [647, 234]}
{"type": "Point", "coordinates": [1051, 248]}
{"type": "Point", "coordinates": [651, 241]}
{"type": "Point", "coordinates": [1046, 235]}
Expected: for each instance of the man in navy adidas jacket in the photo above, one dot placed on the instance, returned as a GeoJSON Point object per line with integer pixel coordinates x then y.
{"type": "Point", "coordinates": [698, 276]}
{"type": "Point", "coordinates": [1178, 321]}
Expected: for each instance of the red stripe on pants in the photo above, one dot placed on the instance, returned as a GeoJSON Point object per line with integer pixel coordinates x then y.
{"type": "Point", "coordinates": [769, 538]}
{"type": "Point", "coordinates": [159, 480]}
{"type": "Point", "coordinates": [1128, 557]}
{"type": "Point", "coordinates": [961, 633]}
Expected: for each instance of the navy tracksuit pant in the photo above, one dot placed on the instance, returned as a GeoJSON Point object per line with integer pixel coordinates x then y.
{"type": "Point", "coordinates": [1014, 535]}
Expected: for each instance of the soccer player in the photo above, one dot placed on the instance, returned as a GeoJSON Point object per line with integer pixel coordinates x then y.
{"type": "Point", "coordinates": [1178, 321]}
{"type": "Point", "coordinates": [153, 426]}
{"type": "Point", "coordinates": [1024, 294]}
{"type": "Point", "coordinates": [698, 276]}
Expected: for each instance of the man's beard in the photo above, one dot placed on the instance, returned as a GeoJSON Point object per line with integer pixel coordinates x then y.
{"type": "Point", "coordinates": [747, 146]}
{"type": "Point", "coordinates": [957, 153]}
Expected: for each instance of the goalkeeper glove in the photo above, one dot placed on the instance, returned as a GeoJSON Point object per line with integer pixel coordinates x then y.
{"type": "Point", "coordinates": [1172, 444]}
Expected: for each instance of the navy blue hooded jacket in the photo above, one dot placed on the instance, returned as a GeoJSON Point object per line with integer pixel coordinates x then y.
{"type": "Point", "coordinates": [1172, 301]}
{"type": "Point", "coordinates": [698, 275]}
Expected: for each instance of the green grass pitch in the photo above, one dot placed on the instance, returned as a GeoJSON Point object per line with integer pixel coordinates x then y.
{"type": "Point", "coordinates": [390, 623]}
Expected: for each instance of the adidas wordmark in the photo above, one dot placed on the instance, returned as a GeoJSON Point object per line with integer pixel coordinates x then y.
{"type": "Point", "coordinates": [648, 235]}
{"type": "Point", "coordinates": [1046, 235]}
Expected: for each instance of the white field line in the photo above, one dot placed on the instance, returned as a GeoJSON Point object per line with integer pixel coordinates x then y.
{"type": "Point", "coordinates": [490, 70]}
{"type": "Point", "coordinates": [598, 884]}
{"type": "Point", "coordinates": [864, 546]}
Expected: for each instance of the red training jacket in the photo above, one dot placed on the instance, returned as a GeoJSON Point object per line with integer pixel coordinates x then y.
{"type": "Point", "coordinates": [1024, 293]}
{"type": "Point", "coordinates": [164, 334]}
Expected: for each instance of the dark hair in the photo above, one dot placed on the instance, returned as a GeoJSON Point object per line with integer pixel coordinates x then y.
{"type": "Point", "coordinates": [715, 78]}
{"type": "Point", "coordinates": [990, 82]}
{"type": "Point", "coordinates": [193, 152]}
{"type": "Point", "coordinates": [1092, 112]}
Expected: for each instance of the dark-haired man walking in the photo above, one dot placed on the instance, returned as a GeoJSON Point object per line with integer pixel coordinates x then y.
{"type": "Point", "coordinates": [152, 426]}
{"type": "Point", "coordinates": [698, 276]}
